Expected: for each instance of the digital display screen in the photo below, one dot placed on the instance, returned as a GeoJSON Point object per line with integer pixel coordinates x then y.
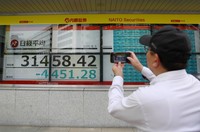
{"type": "Point", "coordinates": [71, 52]}
{"type": "Point", "coordinates": [60, 52]}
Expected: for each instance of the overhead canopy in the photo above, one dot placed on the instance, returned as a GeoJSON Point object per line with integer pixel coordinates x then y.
{"type": "Point", "coordinates": [42, 7]}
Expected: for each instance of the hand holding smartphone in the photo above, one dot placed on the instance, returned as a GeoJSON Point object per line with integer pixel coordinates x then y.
{"type": "Point", "coordinates": [116, 57]}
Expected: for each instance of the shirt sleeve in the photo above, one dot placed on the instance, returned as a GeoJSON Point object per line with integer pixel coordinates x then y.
{"type": "Point", "coordinates": [124, 108]}
{"type": "Point", "coordinates": [148, 73]}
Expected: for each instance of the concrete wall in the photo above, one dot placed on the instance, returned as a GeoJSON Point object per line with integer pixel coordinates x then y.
{"type": "Point", "coordinates": [53, 105]}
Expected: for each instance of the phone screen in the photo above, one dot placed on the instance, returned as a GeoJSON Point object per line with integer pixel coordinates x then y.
{"type": "Point", "coordinates": [119, 57]}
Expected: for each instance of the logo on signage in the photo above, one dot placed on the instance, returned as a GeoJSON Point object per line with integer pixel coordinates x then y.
{"type": "Point", "coordinates": [68, 20]}
{"type": "Point", "coordinates": [27, 43]}
{"type": "Point", "coordinates": [14, 43]}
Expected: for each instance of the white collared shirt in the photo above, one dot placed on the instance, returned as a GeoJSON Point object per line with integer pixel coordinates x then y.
{"type": "Point", "coordinates": [171, 103]}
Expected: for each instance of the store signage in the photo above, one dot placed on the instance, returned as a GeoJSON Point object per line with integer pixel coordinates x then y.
{"type": "Point", "coordinates": [102, 19]}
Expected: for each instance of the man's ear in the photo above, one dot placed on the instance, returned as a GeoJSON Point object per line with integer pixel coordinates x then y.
{"type": "Point", "coordinates": [156, 61]}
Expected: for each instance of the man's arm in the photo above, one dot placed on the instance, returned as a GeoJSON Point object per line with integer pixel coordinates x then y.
{"type": "Point", "coordinates": [146, 72]}
{"type": "Point", "coordinates": [128, 108]}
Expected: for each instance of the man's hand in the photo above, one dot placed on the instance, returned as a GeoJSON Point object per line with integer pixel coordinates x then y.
{"type": "Point", "coordinates": [135, 62]}
{"type": "Point", "coordinates": [118, 69]}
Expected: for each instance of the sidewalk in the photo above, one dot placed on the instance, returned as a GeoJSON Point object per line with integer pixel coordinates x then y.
{"type": "Point", "coordinates": [61, 129]}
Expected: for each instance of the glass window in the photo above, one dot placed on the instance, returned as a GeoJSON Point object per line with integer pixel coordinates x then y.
{"type": "Point", "coordinates": [76, 53]}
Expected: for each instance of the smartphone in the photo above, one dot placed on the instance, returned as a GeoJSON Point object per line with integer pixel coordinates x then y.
{"type": "Point", "coordinates": [119, 57]}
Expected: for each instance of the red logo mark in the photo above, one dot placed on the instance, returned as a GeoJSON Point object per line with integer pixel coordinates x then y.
{"type": "Point", "coordinates": [14, 43]}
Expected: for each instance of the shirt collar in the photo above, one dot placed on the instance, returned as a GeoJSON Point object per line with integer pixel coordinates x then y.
{"type": "Point", "coordinates": [170, 75]}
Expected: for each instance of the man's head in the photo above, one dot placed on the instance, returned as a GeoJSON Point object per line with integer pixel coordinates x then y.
{"type": "Point", "coordinates": [172, 46]}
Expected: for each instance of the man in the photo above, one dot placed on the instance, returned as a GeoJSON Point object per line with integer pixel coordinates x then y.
{"type": "Point", "coordinates": [171, 103]}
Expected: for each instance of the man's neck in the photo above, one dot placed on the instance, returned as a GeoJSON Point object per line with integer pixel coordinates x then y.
{"type": "Point", "coordinates": [159, 70]}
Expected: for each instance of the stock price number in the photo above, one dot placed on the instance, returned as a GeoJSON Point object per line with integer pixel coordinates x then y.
{"type": "Point", "coordinates": [74, 61]}
{"type": "Point", "coordinates": [78, 74]}
{"type": "Point", "coordinates": [59, 61]}
{"type": "Point", "coordinates": [34, 60]}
